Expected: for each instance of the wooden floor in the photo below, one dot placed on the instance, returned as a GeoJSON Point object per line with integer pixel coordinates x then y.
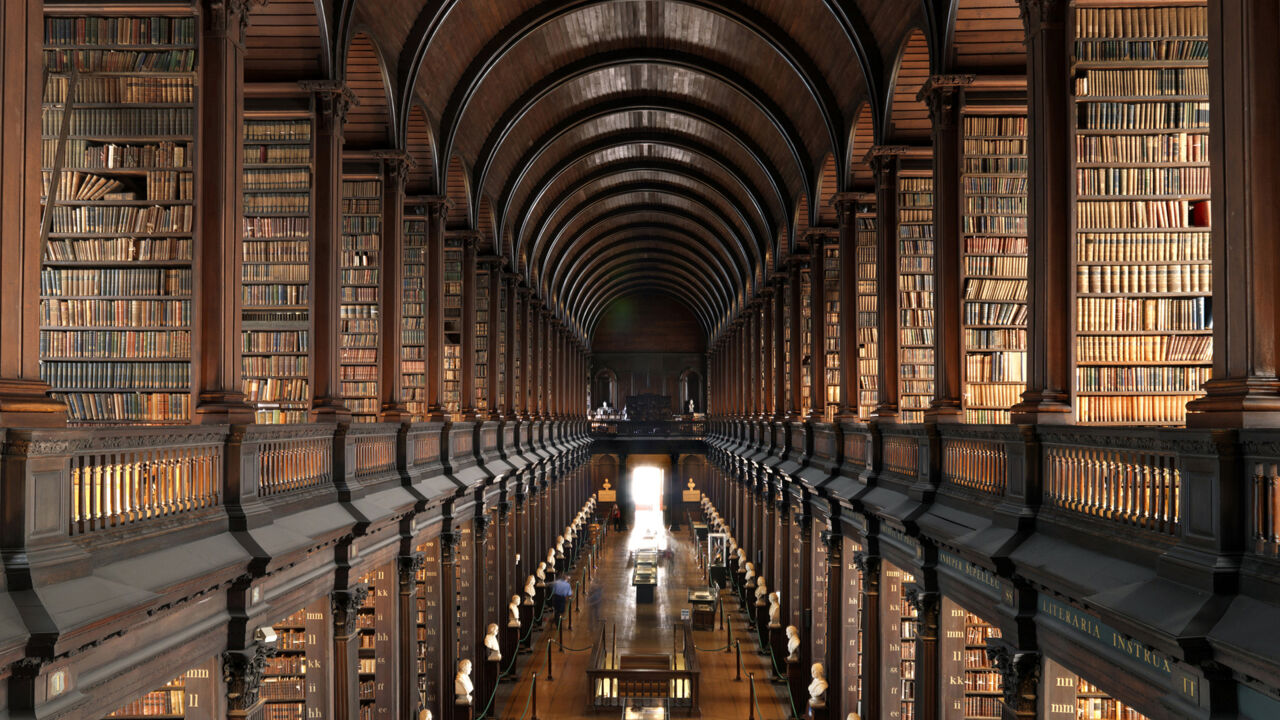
{"type": "Point", "coordinates": [641, 629]}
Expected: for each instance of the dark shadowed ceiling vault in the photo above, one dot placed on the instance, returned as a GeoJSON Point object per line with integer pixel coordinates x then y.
{"type": "Point", "coordinates": [609, 148]}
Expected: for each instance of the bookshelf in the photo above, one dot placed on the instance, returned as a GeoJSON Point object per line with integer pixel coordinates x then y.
{"type": "Point", "coordinates": [118, 179]}
{"type": "Point", "coordinates": [983, 685]}
{"type": "Point", "coordinates": [994, 319]}
{"type": "Point", "coordinates": [915, 293]}
{"type": "Point", "coordinates": [452, 387]}
{"type": "Point", "coordinates": [167, 701]}
{"type": "Point", "coordinates": [788, 391]}
{"type": "Point", "coordinates": [284, 678]}
{"type": "Point", "coordinates": [360, 265]}
{"type": "Point", "coordinates": [500, 340]}
{"type": "Point", "coordinates": [1081, 699]}
{"type": "Point", "coordinates": [413, 333]}
{"type": "Point", "coordinates": [806, 341]}
{"type": "Point", "coordinates": [481, 361]}
{"type": "Point", "coordinates": [850, 639]}
{"type": "Point", "coordinates": [907, 662]}
{"type": "Point", "coordinates": [1143, 306]}
{"type": "Point", "coordinates": [831, 327]}
{"type": "Point", "coordinates": [868, 307]}
{"type": "Point", "coordinates": [275, 280]}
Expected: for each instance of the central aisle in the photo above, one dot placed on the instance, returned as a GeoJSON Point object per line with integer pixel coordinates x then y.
{"type": "Point", "coordinates": [645, 628]}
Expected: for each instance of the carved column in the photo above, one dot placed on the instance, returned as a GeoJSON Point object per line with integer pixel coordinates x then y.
{"type": "Point", "coordinates": [395, 167]}
{"type": "Point", "coordinates": [1049, 200]}
{"type": "Point", "coordinates": [332, 100]}
{"type": "Point", "coordinates": [23, 399]}
{"type": "Point", "coordinates": [884, 165]}
{"type": "Point", "coordinates": [869, 568]}
{"type": "Point", "coordinates": [493, 268]}
{"type": "Point", "coordinates": [522, 349]}
{"type": "Point", "coordinates": [217, 297]}
{"type": "Point", "coordinates": [242, 672]}
{"type": "Point", "coordinates": [346, 651]}
{"type": "Point", "coordinates": [769, 407]}
{"type": "Point", "coordinates": [818, 331]}
{"type": "Point", "coordinates": [942, 94]}
{"type": "Point", "coordinates": [467, 395]}
{"type": "Point", "coordinates": [1244, 153]}
{"type": "Point", "coordinates": [406, 640]}
{"type": "Point", "coordinates": [437, 211]}
{"type": "Point", "coordinates": [511, 392]}
{"type": "Point", "coordinates": [1020, 671]}
{"type": "Point", "coordinates": [795, 356]}
{"type": "Point", "coordinates": [927, 606]}
{"type": "Point", "coordinates": [781, 362]}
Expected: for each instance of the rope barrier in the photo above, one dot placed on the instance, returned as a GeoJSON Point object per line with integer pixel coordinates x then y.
{"type": "Point", "coordinates": [790, 700]}
{"type": "Point", "coordinates": [565, 647]}
{"type": "Point", "coordinates": [719, 649]}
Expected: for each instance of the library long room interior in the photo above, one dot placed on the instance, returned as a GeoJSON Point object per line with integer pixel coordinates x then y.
{"type": "Point", "coordinates": [767, 359]}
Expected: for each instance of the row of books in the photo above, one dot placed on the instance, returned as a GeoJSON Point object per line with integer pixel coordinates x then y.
{"type": "Point", "coordinates": [995, 165]}
{"type": "Point", "coordinates": [277, 154]}
{"type": "Point", "coordinates": [1143, 22]}
{"type": "Point", "coordinates": [272, 179]}
{"type": "Point", "coordinates": [1139, 81]}
{"type": "Point", "coordinates": [1000, 313]}
{"type": "Point", "coordinates": [982, 708]}
{"type": "Point", "coordinates": [1143, 247]}
{"type": "Point", "coordinates": [275, 295]}
{"type": "Point", "coordinates": [995, 204]}
{"type": "Point", "coordinates": [165, 702]}
{"type": "Point", "coordinates": [119, 121]}
{"type": "Point", "coordinates": [976, 184]}
{"type": "Point", "coordinates": [984, 395]}
{"type": "Point", "coordinates": [79, 186]}
{"type": "Point", "coordinates": [996, 367]}
{"type": "Point", "coordinates": [282, 688]}
{"type": "Point", "coordinates": [268, 341]}
{"type": "Point", "coordinates": [995, 266]}
{"type": "Point", "coordinates": [1152, 50]}
{"type": "Point", "coordinates": [979, 288]}
{"type": "Point", "coordinates": [119, 90]}
{"type": "Point", "coordinates": [119, 61]}
{"type": "Point", "coordinates": [994, 146]}
{"type": "Point", "coordinates": [119, 30]}
{"type": "Point", "coordinates": [126, 407]}
{"type": "Point", "coordinates": [131, 375]}
{"type": "Point", "coordinates": [1132, 409]}
{"type": "Point", "coordinates": [276, 390]}
{"type": "Point", "coordinates": [995, 224]}
{"type": "Point", "coordinates": [114, 219]}
{"type": "Point", "coordinates": [1117, 214]}
{"type": "Point", "coordinates": [290, 130]}
{"type": "Point", "coordinates": [276, 272]}
{"type": "Point", "coordinates": [298, 204]}
{"type": "Point", "coordinates": [278, 252]}
{"type": "Point", "coordinates": [995, 125]}
{"type": "Point", "coordinates": [275, 366]}
{"type": "Point", "coordinates": [1141, 379]}
{"type": "Point", "coordinates": [1142, 279]}
{"type": "Point", "coordinates": [277, 227]}
{"type": "Point", "coordinates": [995, 339]}
{"type": "Point", "coordinates": [995, 246]}
{"type": "Point", "coordinates": [1143, 181]}
{"type": "Point", "coordinates": [1144, 349]}
{"type": "Point", "coordinates": [358, 356]}
{"type": "Point", "coordinates": [89, 155]}
{"type": "Point", "coordinates": [1172, 148]}
{"type": "Point", "coordinates": [117, 249]}
{"type": "Point", "coordinates": [115, 281]}
{"type": "Point", "coordinates": [1142, 314]}
{"type": "Point", "coordinates": [56, 312]}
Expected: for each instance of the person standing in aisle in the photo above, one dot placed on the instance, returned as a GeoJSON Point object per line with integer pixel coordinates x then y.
{"type": "Point", "coordinates": [560, 593]}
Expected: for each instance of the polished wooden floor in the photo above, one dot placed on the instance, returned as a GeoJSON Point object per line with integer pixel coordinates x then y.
{"type": "Point", "coordinates": [645, 628]}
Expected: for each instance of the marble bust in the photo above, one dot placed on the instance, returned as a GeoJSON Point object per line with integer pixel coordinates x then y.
{"type": "Point", "coordinates": [559, 551]}
{"type": "Point", "coordinates": [528, 590]}
{"type": "Point", "coordinates": [462, 685]}
{"type": "Point", "coordinates": [818, 688]}
{"type": "Point", "coordinates": [751, 572]}
{"type": "Point", "coordinates": [762, 591]}
{"type": "Point", "coordinates": [775, 608]}
{"type": "Point", "coordinates": [793, 642]}
{"type": "Point", "coordinates": [491, 642]}
{"type": "Point", "coordinates": [513, 612]}
{"type": "Point", "coordinates": [541, 573]}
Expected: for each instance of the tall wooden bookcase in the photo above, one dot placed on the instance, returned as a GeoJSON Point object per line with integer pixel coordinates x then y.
{"type": "Point", "coordinates": [118, 170]}
{"type": "Point", "coordinates": [413, 323]}
{"type": "Point", "coordinates": [361, 276]}
{"type": "Point", "coordinates": [868, 306]}
{"type": "Point", "coordinates": [916, 253]}
{"type": "Point", "coordinates": [1143, 309]}
{"type": "Point", "coordinates": [276, 241]}
{"type": "Point", "coordinates": [994, 227]}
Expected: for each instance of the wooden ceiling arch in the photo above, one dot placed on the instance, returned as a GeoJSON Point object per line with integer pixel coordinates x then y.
{"type": "Point", "coordinates": [760, 164]}
{"type": "Point", "coordinates": [862, 136]}
{"type": "Point", "coordinates": [641, 280]}
{"type": "Point", "coordinates": [705, 163]}
{"type": "Point", "coordinates": [695, 185]}
{"type": "Point", "coordinates": [370, 122]}
{"type": "Point", "coordinates": [907, 119]}
{"type": "Point", "coordinates": [421, 148]}
{"type": "Point", "coordinates": [458, 192]}
{"type": "Point", "coordinates": [633, 256]}
{"type": "Point", "coordinates": [584, 74]}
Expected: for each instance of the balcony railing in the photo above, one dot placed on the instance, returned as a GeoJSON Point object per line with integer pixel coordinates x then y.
{"type": "Point", "coordinates": [658, 428]}
{"type": "Point", "coordinates": [297, 459]}
{"type": "Point", "coordinates": [1130, 477]}
{"type": "Point", "coordinates": [974, 458]}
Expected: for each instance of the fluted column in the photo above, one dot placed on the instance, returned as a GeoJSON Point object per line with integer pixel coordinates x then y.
{"type": "Point", "coordinates": [1047, 398]}
{"type": "Point", "coordinates": [885, 166]}
{"type": "Point", "coordinates": [333, 99]}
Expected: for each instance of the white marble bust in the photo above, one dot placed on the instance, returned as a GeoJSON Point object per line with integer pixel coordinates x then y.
{"type": "Point", "coordinates": [559, 551]}
{"type": "Point", "coordinates": [775, 608]}
{"type": "Point", "coordinates": [513, 612]}
{"type": "Point", "coordinates": [793, 642]}
{"type": "Point", "coordinates": [462, 686]}
{"type": "Point", "coordinates": [541, 573]}
{"type": "Point", "coordinates": [491, 642]}
{"type": "Point", "coordinates": [528, 589]}
{"type": "Point", "coordinates": [818, 688]}
{"type": "Point", "coordinates": [762, 591]}
{"type": "Point", "coordinates": [742, 557]}
{"type": "Point", "coordinates": [551, 558]}
{"type": "Point", "coordinates": [750, 572]}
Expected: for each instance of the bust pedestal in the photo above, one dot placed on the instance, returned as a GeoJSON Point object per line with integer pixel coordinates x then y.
{"type": "Point", "coordinates": [462, 712]}
{"type": "Point", "coordinates": [778, 646]}
{"type": "Point", "coordinates": [511, 646]}
{"type": "Point", "coordinates": [526, 627]}
{"type": "Point", "coordinates": [797, 681]}
{"type": "Point", "coordinates": [762, 626]}
{"type": "Point", "coordinates": [819, 712]}
{"type": "Point", "coordinates": [491, 669]}
{"type": "Point", "coordinates": [539, 599]}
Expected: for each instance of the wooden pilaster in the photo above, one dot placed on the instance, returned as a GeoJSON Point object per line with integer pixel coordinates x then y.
{"type": "Point", "coordinates": [846, 217]}
{"type": "Point", "coordinates": [467, 394]}
{"type": "Point", "coordinates": [391, 299]}
{"type": "Point", "coordinates": [795, 364]}
{"type": "Point", "coordinates": [818, 331]}
{"type": "Point", "coordinates": [884, 164]}
{"type": "Point", "coordinates": [437, 210]}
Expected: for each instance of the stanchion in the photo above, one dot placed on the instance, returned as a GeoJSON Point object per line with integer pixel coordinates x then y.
{"type": "Point", "coordinates": [737, 649]}
{"type": "Point", "coordinates": [728, 636]}
{"type": "Point", "coordinates": [534, 701]}
{"type": "Point", "coordinates": [560, 629]}
{"type": "Point", "coordinates": [549, 678]}
{"type": "Point", "coordinates": [752, 708]}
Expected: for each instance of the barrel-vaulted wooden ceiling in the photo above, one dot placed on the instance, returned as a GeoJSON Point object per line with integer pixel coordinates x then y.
{"type": "Point", "coordinates": [607, 148]}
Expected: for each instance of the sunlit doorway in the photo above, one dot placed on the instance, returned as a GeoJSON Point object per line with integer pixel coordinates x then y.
{"type": "Point", "coordinates": [647, 482]}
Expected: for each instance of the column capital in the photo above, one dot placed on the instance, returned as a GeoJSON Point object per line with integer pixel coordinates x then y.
{"type": "Point", "coordinates": [1020, 670]}
{"type": "Point", "coordinates": [230, 17]}
{"type": "Point", "coordinates": [242, 672]}
{"type": "Point", "coordinates": [398, 163]}
{"type": "Point", "coordinates": [940, 93]}
{"type": "Point", "coordinates": [346, 605]}
{"type": "Point", "coordinates": [333, 97]}
{"type": "Point", "coordinates": [409, 565]}
{"type": "Point", "coordinates": [1039, 14]}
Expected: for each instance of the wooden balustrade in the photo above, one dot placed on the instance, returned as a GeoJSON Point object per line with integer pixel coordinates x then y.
{"type": "Point", "coordinates": [1265, 498]}
{"type": "Point", "coordinates": [1136, 483]}
{"type": "Point", "coordinates": [974, 463]}
{"type": "Point", "coordinates": [121, 477]}
{"type": "Point", "coordinates": [902, 454]}
{"type": "Point", "coordinates": [375, 450]}
{"type": "Point", "coordinates": [855, 447]}
{"type": "Point", "coordinates": [299, 462]}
